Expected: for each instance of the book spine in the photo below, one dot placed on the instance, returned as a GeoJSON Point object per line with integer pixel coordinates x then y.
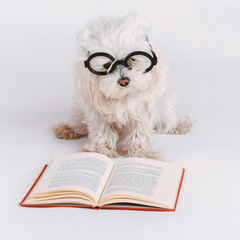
{"type": "Point", "coordinates": [96, 208]}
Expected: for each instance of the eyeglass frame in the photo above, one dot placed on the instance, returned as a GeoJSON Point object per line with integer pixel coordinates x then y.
{"type": "Point", "coordinates": [153, 60]}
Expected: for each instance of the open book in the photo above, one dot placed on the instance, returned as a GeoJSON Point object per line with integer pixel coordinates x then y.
{"type": "Point", "coordinates": [93, 180]}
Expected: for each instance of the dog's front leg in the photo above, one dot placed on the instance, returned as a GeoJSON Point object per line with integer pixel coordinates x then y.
{"type": "Point", "coordinates": [102, 139]}
{"type": "Point", "coordinates": [140, 142]}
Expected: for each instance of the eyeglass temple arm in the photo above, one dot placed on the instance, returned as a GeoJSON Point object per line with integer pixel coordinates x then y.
{"type": "Point", "coordinates": [154, 55]}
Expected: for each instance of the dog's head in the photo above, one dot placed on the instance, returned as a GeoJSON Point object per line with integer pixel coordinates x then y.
{"type": "Point", "coordinates": [108, 47]}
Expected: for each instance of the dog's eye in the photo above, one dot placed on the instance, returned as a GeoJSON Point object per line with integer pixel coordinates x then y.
{"type": "Point", "coordinates": [130, 62]}
{"type": "Point", "coordinates": [106, 65]}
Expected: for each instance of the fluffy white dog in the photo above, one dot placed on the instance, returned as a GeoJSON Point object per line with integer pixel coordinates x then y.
{"type": "Point", "coordinates": [122, 91]}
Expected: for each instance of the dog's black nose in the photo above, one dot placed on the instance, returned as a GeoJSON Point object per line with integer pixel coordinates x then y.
{"type": "Point", "coordinates": [123, 82]}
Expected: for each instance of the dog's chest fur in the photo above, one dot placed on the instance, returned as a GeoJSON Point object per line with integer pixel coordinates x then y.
{"type": "Point", "coordinates": [132, 109]}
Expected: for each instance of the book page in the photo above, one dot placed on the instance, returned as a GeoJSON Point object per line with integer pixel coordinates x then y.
{"type": "Point", "coordinates": [143, 178]}
{"type": "Point", "coordinates": [85, 172]}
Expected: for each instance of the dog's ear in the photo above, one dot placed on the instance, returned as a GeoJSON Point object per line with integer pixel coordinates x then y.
{"type": "Point", "coordinates": [88, 47]}
{"type": "Point", "coordinates": [160, 73]}
{"type": "Point", "coordinates": [157, 68]}
{"type": "Point", "coordinates": [87, 89]}
{"type": "Point", "coordinates": [86, 43]}
{"type": "Point", "coordinates": [137, 22]}
{"type": "Point", "coordinates": [143, 24]}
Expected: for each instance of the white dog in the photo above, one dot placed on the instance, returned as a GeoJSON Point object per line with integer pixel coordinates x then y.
{"type": "Point", "coordinates": [122, 91]}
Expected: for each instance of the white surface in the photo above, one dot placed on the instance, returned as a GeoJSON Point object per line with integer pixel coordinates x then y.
{"type": "Point", "coordinates": [199, 40]}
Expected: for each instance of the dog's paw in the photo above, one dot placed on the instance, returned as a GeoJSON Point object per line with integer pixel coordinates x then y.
{"type": "Point", "coordinates": [103, 150]}
{"type": "Point", "coordinates": [184, 125]}
{"type": "Point", "coordinates": [152, 153]}
{"type": "Point", "coordinates": [63, 130]}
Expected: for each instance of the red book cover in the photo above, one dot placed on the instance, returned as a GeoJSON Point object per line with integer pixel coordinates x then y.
{"type": "Point", "coordinates": [142, 208]}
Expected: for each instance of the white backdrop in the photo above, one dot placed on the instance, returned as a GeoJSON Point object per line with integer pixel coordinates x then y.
{"type": "Point", "coordinates": [199, 40]}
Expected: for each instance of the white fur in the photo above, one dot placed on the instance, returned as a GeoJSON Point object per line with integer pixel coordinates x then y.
{"type": "Point", "coordinates": [110, 113]}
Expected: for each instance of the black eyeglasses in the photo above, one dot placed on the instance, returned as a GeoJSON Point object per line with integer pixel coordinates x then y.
{"type": "Point", "coordinates": [99, 63]}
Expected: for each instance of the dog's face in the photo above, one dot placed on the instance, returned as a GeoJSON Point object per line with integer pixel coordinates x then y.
{"type": "Point", "coordinates": [118, 38]}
